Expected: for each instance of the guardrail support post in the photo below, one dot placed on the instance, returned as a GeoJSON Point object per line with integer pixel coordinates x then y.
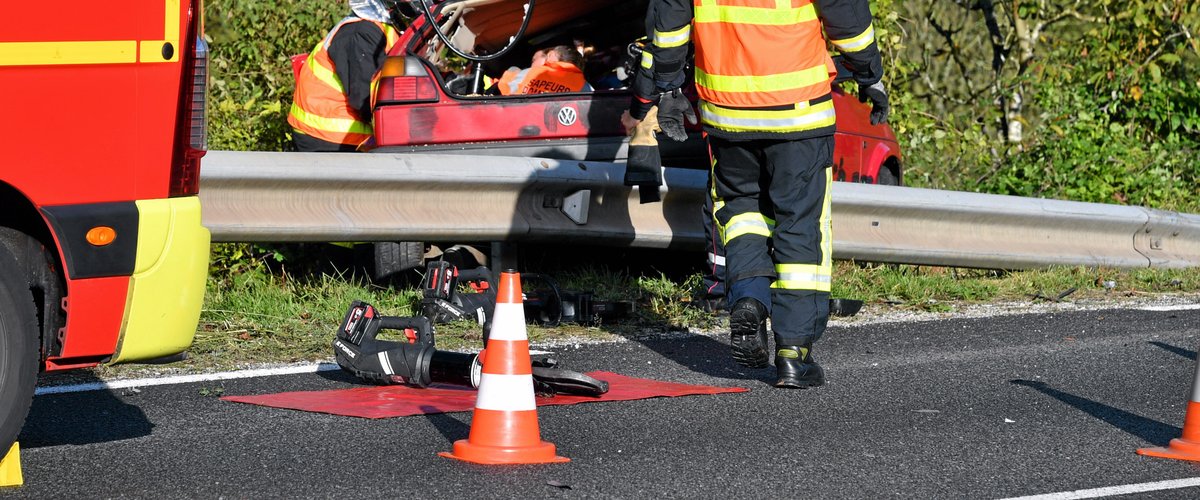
{"type": "Point", "coordinates": [504, 256]}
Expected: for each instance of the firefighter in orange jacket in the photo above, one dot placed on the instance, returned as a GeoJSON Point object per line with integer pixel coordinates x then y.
{"type": "Point", "coordinates": [553, 70]}
{"type": "Point", "coordinates": [562, 72]}
{"type": "Point", "coordinates": [335, 89]}
{"type": "Point", "coordinates": [764, 74]}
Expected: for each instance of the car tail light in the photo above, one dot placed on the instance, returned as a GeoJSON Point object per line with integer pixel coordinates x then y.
{"type": "Point", "coordinates": [405, 79]}
{"type": "Point", "coordinates": [191, 139]}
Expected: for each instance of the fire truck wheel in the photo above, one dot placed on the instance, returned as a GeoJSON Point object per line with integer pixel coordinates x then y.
{"type": "Point", "coordinates": [18, 349]}
{"type": "Point", "coordinates": [396, 257]}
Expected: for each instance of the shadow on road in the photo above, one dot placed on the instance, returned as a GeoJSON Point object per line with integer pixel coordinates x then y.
{"type": "Point", "coordinates": [1176, 350]}
{"type": "Point", "coordinates": [82, 418]}
{"type": "Point", "coordinates": [451, 428]}
{"type": "Point", "coordinates": [1149, 430]}
{"type": "Point", "coordinates": [706, 356]}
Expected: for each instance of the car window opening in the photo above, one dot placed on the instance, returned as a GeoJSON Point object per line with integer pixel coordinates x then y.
{"type": "Point", "coordinates": [604, 33]}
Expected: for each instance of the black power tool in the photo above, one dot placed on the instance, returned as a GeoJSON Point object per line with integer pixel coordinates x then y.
{"type": "Point", "coordinates": [416, 362]}
{"type": "Point", "coordinates": [544, 302]}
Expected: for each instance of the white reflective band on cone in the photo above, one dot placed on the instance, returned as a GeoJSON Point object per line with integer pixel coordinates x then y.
{"type": "Point", "coordinates": [505, 393]}
{"type": "Point", "coordinates": [508, 322]}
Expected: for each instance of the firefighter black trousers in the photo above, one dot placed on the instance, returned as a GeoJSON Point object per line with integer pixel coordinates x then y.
{"type": "Point", "coordinates": [771, 200]}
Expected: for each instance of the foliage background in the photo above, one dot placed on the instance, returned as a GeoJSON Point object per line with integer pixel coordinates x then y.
{"type": "Point", "coordinates": [1089, 100]}
{"type": "Point", "coordinates": [251, 87]}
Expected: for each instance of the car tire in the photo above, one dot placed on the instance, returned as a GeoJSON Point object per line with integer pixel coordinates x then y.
{"type": "Point", "coordinates": [392, 258]}
{"type": "Point", "coordinates": [18, 349]}
{"type": "Point", "coordinates": [886, 177]}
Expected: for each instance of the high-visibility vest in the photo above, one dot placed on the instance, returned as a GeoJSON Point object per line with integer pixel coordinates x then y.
{"type": "Point", "coordinates": [510, 81]}
{"type": "Point", "coordinates": [557, 76]}
{"type": "Point", "coordinates": [320, 107]}
{"type": "Point", "coordinates": [758, 64]}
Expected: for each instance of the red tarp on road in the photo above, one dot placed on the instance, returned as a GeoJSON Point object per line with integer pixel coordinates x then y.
{"type": "Point", "coordinates": [401, 401]}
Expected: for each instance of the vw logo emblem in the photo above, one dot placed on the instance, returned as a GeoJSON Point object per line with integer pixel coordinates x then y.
{"type": "Point", "coordinates": [567, 116]}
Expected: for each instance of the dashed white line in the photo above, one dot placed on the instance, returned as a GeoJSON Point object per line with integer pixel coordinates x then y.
{"type": "Point", "coordinates": [1107, 491]}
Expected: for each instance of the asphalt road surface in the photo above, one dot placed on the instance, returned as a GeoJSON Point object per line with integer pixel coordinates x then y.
{"type": "Point", "coordinates": [962, 408]}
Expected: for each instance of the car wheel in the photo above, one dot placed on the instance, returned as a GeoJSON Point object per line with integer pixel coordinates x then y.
{"type": "Point", "coordinates": [18, 349]}
{"type": "Point", "coordinates": [886, 177]}
{"type": "Point", "coordinates": [396, 257]}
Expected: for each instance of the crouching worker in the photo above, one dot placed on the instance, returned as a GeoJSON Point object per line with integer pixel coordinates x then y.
{"type": "Point", "coordinates": [331, 108]}
{"type": "Point", "coordinates": [416, 362]}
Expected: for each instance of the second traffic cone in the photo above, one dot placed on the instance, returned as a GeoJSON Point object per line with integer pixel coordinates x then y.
{"type": "Point", "coordinates": [1186, 446]}
{"type": "Point", "coordinates": [504, 427]}
{"type": "Point", "coordinates": [10, 467]}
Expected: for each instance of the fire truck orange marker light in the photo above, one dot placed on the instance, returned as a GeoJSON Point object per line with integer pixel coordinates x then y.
{"type": "Point", "coordinates": [101, 235]}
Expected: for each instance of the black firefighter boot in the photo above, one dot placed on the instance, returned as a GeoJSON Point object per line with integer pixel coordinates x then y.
{"type": "Point", "coordinates": [796, 367]}
{"type": "Point", "coordinates": [748, 333]}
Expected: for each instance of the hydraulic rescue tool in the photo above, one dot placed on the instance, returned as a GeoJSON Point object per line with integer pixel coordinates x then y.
{"type": "Point", "coordinates": [545, 302]}
{"type": "Point", "coordinates": [441, 300]}
{"type": "Point", "coordinates": [416, 362]}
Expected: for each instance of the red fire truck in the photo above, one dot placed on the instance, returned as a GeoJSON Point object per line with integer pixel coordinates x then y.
{"type": "Point", "coordinates": [102, 255]}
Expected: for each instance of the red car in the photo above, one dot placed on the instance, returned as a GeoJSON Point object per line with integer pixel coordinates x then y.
{"type": "Point", "coordinates": [431, 101]}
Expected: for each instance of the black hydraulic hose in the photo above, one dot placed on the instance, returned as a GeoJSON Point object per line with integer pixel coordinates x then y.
{"type": "Point", "coordinates": [558, 297]}
{"type": "Point", "coordinates": [442, 36]}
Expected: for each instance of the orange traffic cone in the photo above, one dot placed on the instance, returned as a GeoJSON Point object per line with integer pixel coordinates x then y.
{"type": "Point", "coordinates": [1186, 446]}
{"type": "Point", "coordinates": [10, 467]}
{"type": "Point", "coordinates": [504, 427]}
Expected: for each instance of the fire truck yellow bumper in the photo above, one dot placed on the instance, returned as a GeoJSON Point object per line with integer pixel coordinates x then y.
{"type": "Point", "coordinates": [168, 282]}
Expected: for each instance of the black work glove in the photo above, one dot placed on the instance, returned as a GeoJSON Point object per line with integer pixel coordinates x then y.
{"type": "Point", "coordinates": [673, 109]}
{"type": "Point", "coordinates": [879, 101]}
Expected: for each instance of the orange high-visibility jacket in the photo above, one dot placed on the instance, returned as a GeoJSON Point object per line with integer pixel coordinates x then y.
{"type": "Point", "coordinates": [557, 76]}
{"type": "Point", "coordinates": [320, 108]}
{"type": "Point", "coordinates": [788, 62]}
{"type": "Point", "coordinates": [761, 66]}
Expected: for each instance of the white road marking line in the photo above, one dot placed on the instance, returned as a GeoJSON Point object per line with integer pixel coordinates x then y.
{"type": "Point", "coordinates": [1178, 307]}
{"type": "Point", "coordinates": [185, 379]}
{"type": "Point", "coordinates": [203, 377]}
{"type": "Point", "coordinates": [1116, 490]}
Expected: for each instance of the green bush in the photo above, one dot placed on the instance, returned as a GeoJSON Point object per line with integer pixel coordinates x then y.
{"type": "Point", "coordinates": [251, 46]}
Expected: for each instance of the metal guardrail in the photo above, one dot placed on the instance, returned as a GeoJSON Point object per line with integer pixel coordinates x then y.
{"type": "Point", "coordinates": [259, 196]}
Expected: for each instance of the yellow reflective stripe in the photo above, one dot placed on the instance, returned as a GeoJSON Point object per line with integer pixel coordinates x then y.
{"type": "Point", "coordinates": [92, 52]}
{"type": "Point", "coordinates": [827, 225]}
{"type": "Point", "coordinates": [801, 118]}
{"type": "Point", "coordinates": [667, 39]}
{"type": "Point", "coordinates": [802, 277]}
{"type": "Point", "coordinates": [779, 16]}
{"type": "Point", "coordinates": [748, 223]}
{"type": "Point", "coordinates": [39, 53]}
{"type": "Point", "coordinates": [647, 60]}
{"type": "Point", "coordinates": [325, 75]}
{"type": "Point", "coordinates": [763, 83]}
{"type": "Point", "coordinates": [857, 43]}
{"type": "Point", "coordinates": [338, 125]}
